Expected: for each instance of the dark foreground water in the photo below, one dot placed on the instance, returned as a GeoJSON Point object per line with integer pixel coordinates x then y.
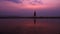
{"type": "Point", "coordinates": [27, 26]}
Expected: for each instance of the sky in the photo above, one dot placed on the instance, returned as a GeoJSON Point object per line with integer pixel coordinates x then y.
{"type": "Point", "coordinates": [44, 8]}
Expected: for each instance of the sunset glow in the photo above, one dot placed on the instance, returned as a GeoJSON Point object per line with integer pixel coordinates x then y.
{"type": "Point", "coordinates": [26, 7]}
{"type": "Point", "coordinates": [31, 4]}
{"type": "Point", "coordinates": [38, 4]}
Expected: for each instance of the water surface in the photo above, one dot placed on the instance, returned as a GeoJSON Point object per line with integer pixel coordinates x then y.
{"type": "Point", "coordinates": [27, 26]}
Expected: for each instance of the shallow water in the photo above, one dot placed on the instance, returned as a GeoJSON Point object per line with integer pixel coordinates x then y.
{"type": "Point", "coordinates": [27, 26]}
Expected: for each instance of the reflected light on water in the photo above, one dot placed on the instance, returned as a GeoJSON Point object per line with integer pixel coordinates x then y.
{"type": "Point", "coordinates": [27, 26]}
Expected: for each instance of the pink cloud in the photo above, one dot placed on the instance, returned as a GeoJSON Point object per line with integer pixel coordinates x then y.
{"type": "Point", "coordinates": [11, 6]}
{"type": "Point", "coordinates": [16, 8]}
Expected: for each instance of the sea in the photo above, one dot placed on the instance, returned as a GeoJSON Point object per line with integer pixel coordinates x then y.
{"type": "Point", "coordinates": [27, 26]}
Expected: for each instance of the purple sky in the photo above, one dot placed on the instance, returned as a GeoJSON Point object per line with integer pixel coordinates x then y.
{"type": "Point", "coordinates": [25, 8]}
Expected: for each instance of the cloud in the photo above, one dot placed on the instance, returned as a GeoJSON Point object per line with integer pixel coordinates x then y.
{"type": "Point", "coordinates": [16, 1]}
{"type": "Point", "coordinates": [13, 6]}
{"type": "Point", "coordinates": [5, 5]}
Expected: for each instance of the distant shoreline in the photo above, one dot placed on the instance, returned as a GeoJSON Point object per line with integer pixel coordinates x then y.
{"type": "Point", "coordinates": [30, 17]}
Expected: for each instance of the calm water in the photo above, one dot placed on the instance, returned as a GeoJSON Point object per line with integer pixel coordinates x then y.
{"type": "Point", "coordinates": [27, 26]}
